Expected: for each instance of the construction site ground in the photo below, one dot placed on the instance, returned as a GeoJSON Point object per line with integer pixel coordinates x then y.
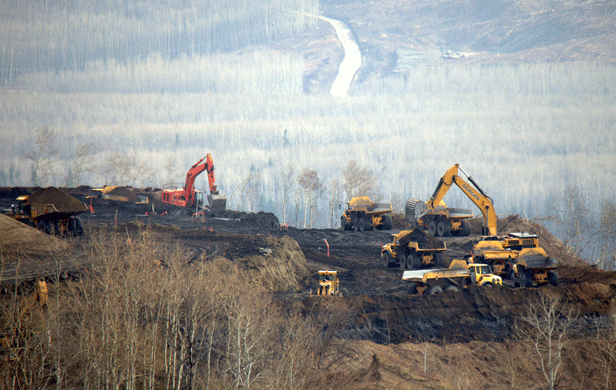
{"type": "Point", "coordinates": [391, 332]}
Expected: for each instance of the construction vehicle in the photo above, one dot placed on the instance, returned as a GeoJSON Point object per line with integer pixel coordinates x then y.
{"type": "Point", "coordinates": [328, 283]}
{"type": "Point", "coordinates": [518, 258]}
{"type": "Point", "coordinates": [363, 214]}
{"type": "Point", "coordinates": [186, 197]}
{"type": "Point", "coordinates": [51, 211]}
{"type": "Point", "coordinates": [442, 221]}
{"type": "Point", "coordinates": [459, 275]}
{"type": "Point", "coordinates": [413, 249]}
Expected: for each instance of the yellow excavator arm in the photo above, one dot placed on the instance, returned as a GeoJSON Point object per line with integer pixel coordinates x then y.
{"type": "Point", "coordinates": [474, 192]}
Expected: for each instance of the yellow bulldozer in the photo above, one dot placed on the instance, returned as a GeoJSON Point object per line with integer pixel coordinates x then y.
{"type": "Point", "coordinates": [328, 284]}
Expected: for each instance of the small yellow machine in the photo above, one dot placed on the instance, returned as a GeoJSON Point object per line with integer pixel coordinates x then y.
{"type": "Point", "coordinates": [329, 283]}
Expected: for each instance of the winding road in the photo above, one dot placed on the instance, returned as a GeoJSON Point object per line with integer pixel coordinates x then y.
{"type": "Point", "coordinates": [352, 58]}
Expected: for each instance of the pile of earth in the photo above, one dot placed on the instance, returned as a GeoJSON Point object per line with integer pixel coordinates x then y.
{"type": "Point", "coordinates": [26, 253]}
{"type": "Point", "coordinates": [124, 192]}
{"type": "Point", "coordinates": [58, 198]}
{"type": "Point", "coordinates": [424, 240]}
{"type": "Point", "coordinates": [277, 263]}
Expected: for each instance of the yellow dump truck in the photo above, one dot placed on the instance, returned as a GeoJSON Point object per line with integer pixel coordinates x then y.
{"type": "Point", "coordinates": [459, 275]}
{"type": "Point", "coordinates": [363, 214]}
{"type": "Point", "coordinates": [413, 249]}
{"type": "Point", "coordinates": [51, 211]}
{"type": "Point", "coordinates": [518, 258]}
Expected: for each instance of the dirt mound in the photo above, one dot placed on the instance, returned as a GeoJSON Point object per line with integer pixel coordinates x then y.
{"type": "Point", "coordinates": [60, 199]}
{"type": "Point", "coordinates": [424, 240]}
{"type": "Point", "coordinates": [26, 253]}
{"type": "Point", "coordinates": [125, 193]}
{"type": "Point", "coordinates": [277, 263]}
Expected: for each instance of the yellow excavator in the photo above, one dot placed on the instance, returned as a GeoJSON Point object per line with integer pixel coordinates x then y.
{"type": "Point", "coordinates": [516, 257]}
{"type": "Point", "coordinates": [430, 213]}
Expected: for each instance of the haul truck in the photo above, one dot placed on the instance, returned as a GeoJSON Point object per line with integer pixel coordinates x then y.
{"type": "Point", "coordinates": [363, 214]}
{"type": "Point", "coordinates": [51, 211]}
{"type": "Point", "coordinates": [459, 275]}
{"type": "Point", "coordinates": [518, 258]}
{"type": "Point", "coordinates": [413, 249]}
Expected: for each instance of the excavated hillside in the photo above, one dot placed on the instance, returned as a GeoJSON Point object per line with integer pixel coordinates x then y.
{"type": "Point", "coordinates": [377, 317]}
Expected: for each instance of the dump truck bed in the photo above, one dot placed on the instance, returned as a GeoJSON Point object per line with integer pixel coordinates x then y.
{"type": "Point", "coordinates": [456, 269]}
{"type": "Point", "coordinates": [459, 213]}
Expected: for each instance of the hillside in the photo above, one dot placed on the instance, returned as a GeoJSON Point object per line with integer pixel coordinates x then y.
{"type": "Point", "coordinates": [397, 36]}
{"type": "Point", "coordinates": [376, 337]}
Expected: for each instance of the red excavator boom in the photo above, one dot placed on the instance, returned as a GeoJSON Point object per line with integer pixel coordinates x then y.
{"type": "Point", "coordinates": [186, 196]}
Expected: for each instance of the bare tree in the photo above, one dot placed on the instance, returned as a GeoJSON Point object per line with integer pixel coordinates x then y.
{"type": "Point", "coordinates": [358, 181]}
{"type": "Point", "coordinates": [286, 188]}
{"type": "Point", "coordinates": [311, 187]}
{"type": "Point", "coordinates": [607, 229]}
{"type": "Point", "coordinates": [546, 328]}
{"type": "Point", "coordinates": [43, 156]}
{"type": "Point", "coordinates": [125, 169]}
{"type": "Point", "coordinates": [82, 162]}
{"type": "Point", "coordinates": [172, 174]}
{"type": "Point", "coordinates": [334, 192]}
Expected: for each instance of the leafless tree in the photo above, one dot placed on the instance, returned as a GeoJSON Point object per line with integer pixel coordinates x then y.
{"type": "Point", "coordinates": [82, 162]}
{"type": "Point", "coordinates": [286, 188]}
{"type": "Point", "coordinates": [311, 187]}
{"type": "Point", "coordinates": [43, 156]}
{"type": "Point", "coordinates": [358, 181]}
{"type": "Point", "coordinates": [546, 328]}
{"type": "Point", "coordinates": [334, 192]}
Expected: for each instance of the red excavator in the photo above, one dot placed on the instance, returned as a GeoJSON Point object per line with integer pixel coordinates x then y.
{"type": "Point", "coordinates": [185, 197]}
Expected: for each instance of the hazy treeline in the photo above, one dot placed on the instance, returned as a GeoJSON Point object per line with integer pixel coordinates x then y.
{"type": "Point", "coordinates": [68, 35]}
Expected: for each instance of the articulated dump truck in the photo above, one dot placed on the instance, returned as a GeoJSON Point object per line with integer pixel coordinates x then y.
{"type": "Point", "coordinates": [459, 275]}
{"type": "Point", "coordinates": [364, 214]}
{"type": "Point", "coordinates": [518, 258]}
{"type": "Point", "coordinates": [413, 249]}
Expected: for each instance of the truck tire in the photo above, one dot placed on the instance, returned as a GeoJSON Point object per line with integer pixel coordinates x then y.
{"type": "Point", "coordinates": [553, 278]}
{"type": "Point", "coordinates": [466, 228]}
{"type": "Point", "coordinates": [75, 227]}
{"type": "Point", "coordinates": [361, 224]}
{"type": "Point", "coordinates": [488, 284]}
{"type": "Point", "coordinates": [526, 278]}
{"type": "Point", "coordinates": [439, 260]}
{"type": "Point", "coordinates": [404, 261]}
{"type": "Point", "coordinates": [413, 261]}
{"type": "Point", "coordinates": [387, 260]}
{"type": "Point", "coordinates": [433, 290]}
{"type": "Point", "coordinates": [443, 229]}
{"type": "Point", "coordinates": [343, 224]}
{"type": "Point", "coordinates": [432, 227]}
{"type": "Point", "coordinates": [387, 222]}
{"type": "Point", "coordinates": [44, 227]}
{"type": "Point", "coordinates": [451, 287]}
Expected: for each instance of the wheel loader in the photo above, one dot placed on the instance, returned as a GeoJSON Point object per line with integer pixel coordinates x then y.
{"type": "Point", "coordinates": [51, 211]}
{"type": "Point", "coordinates": [413, 249]}
{"type": "Point", "coordinates": [363, 214]}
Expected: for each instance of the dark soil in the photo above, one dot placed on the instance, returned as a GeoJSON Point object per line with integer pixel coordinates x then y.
{"type": "Point", "coordinates": [379, 306]}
